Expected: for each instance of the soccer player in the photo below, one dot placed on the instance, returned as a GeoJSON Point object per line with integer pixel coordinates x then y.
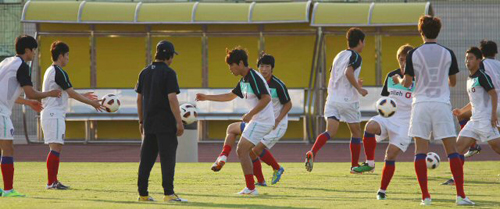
{"type": "Point", "coordinates": [395, 127]}
{"type": "Point", "coordinates": [259, 122]}
{"type": "Point", "coordinates": [342, 103]}
{"type": "Point", "coordinates": [434, 69]}
{"type": "Point", "coordinates": [54, 109]}
{"type": "Point", "coordinates": [15, 77]}
{"type": "Point", "coordinates": [281, 105]}
{"type": "Point", "coordinates": [160, 121]}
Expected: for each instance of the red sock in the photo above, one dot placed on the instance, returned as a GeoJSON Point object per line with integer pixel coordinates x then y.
{"type": "Point", "coordinates": [320, 141]}
{"type": "Point", "coordinates": [250, 182]}
{"type": "Point", "coordinates": [8, 172]}
{"type": "Point", "coordinates": [370, 145]}
{"type": "Point", "coordinates": [257, 171]}
{"type": "Point", "coordinates": [458, 173]}
{"type": "Point", "coordinates": [52, 166]}
{"type": "Point", "coordinates": [226, 150]}
{"type": "Point", "coordinates": [268, 158]}
{"type": "Point", "coordinates": [421, 171]}
{"type": "Point", "coordinates": [355, 147]}
{"type": "Point", "coordinates": [387, 173]}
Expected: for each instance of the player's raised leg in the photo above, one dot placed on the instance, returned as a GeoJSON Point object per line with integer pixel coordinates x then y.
{"type": "Point", "coordinates": [332, 125]}
{"type": "Point", "coordinates": [372, 128]}
{"type": "Point", "coordinates": [233, 131]}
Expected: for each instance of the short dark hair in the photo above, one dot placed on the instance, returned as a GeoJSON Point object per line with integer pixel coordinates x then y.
{"type": "Point", "coordinates": [236, 55]}
{"type": "Point", "coordinates": [164, 55]}
{"type": "Point", "coordinates": [476, 52]}
{"type": "Point", "coordinates": [403, 50]}
{"type": "Point", "coordinates": [266, 59]}
{"type": "Point", "coordinates": [58, 48]}
{"type": "Point", "coordinates": [23, 42]}
{"type": "Point", "coordinates": [488, 48]}
{"type": "Point", "coordinates": [429, 26]}
{"type": "Point", "coordinates": [354, 35]}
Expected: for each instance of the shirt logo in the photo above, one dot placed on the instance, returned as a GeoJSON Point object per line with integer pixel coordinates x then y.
{"type": "Point", "coordinates": [12, 132]}
{"type": "Point", "coordinates": [153, 67]}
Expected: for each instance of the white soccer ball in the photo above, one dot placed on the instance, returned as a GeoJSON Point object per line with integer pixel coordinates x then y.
{"type": "Point", "coordinates": [111, 103]}
{"type": "Point", "coordinates": [189, 113]}
{"type": "Point", "coordinates": [386, 107]}
{"type": "Point", "coordinates": [432, 160]}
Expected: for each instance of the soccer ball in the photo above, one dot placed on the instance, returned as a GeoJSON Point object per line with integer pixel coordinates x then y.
{"type": "Point", "coordinates": [111, 103]}
{"type": "Point", "coordinates": [189, 113]}
{"type": "Point", "coordinates": [386, 107]}
{"type": "Point", "coordinates": [432, 160]}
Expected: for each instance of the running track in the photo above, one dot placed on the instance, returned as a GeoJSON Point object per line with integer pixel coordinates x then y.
{"type": "Point", "coordinates": [208, 152]}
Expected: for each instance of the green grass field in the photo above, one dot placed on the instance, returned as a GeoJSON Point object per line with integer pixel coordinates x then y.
{"type": "Point", "coordinates": [113, 185]}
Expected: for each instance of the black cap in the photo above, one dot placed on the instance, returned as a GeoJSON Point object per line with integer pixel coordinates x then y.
{"type": "Point", "coordinates": [165, 47]}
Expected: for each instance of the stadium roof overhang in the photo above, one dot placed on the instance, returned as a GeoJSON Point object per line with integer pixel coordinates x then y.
{"type": "Point", "coordinates": [366, 15]}
{"type": "Point", "coordinates": [165, 13]}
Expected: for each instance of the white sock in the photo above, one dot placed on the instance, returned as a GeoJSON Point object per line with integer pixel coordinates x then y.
{"type": "Point", "coordinates": [371, 163]}
{"type": "Point", "coordinates": [380, 190]}
{"type": "Point", "coordinates": [7, 191]}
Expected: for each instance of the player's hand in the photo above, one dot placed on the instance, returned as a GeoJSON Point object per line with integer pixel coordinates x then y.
{"type": "Point", "coordinates": [246, 118]}
{"type": "Point", "coordinates": [201, 97]}
{"type": "Point", "coordinates": [55, 93]}
{"type": "Point", "coordinates": [35, 105]}
{"type": "Point", "coordinates": [457, 112]}
{"type": "Point", "coordinates": [141, 128]}
{"type": "Point", "coordinates": [180, 128]}
{"type": "Point", "coordinates": [363, 92]}
{"type": "Point", "coordinates": [90, 95]}
{"type": "Point", "coordinates": [276, 122]}
{"type": "Point", "coordinates": [494, 120]}
{"type": "Point", "coordinates": [395, 79]}
{"type": "Point", "coordinates": [97, 105]}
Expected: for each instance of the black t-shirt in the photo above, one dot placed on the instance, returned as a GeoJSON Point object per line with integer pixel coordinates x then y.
{"type": "Point", "coordinates": [155, 83]}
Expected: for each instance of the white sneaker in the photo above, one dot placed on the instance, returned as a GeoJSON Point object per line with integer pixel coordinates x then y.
{"type": "Point", "coordinates": [464, 201]}
{"type": "Point", "coordinates": [247, 191]}
{"type": "Point", "coordinates": [426, 202]}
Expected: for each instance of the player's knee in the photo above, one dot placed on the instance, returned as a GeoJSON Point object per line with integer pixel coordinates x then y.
{"type": "Point", "coordinates": [233, 128]}
{"type": "Point", "coordinates": [372, 127]}
{"type": "Point", "coordinates": [7, 150]}
{"type": "Point", "coordinates": [391, 156]}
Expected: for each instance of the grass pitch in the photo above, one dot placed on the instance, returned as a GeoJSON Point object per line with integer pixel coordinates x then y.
{"type": "Point", "coordinates": [113, 185]}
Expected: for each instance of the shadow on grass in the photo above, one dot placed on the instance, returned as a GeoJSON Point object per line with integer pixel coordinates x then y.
{"type": "Point", "coordinates": [177, 204]}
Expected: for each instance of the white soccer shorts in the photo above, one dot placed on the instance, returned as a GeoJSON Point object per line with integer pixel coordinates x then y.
{"type": "Point", "coordinates": [6, 128]}
{"type": "Point", "coordinates": [396, 131]}
{"type": "Point", "coordinates": [54, 129]}
{"type": "Point", "coordinates": [255, 131]}
{"type": "Point", "coordinates": [275, 135]}
{"type": "Point", "coordinates": [345, 112]}
{"type": "Point", "coordinates": [432, 118]}
{"type": "Point", "coordinates": [480, 130]}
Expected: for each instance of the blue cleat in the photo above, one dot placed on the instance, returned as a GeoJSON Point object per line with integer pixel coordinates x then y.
{"type": "Point", "coordinates": [277, 175]}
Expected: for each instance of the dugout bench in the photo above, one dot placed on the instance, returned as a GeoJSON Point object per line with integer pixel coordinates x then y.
{"type": "Point", "coordinates": [207, 111]}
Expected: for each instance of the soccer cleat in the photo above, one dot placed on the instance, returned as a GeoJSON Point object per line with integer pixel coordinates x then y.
{"type": "Point", "coordinates": [381, 196]}
{"type": "Point", "coordinates": [12, 193]}
{"type": "Point", "coordinates": [449, 182]}
{"type": "Point", "coordinates": [263, 184]}
{"type": "Point", "coordinates": [277, 175]}
{"type": "Point", "coordinates": [1, 191]}
{"type": "Point", "coordinates": [473, 151]}
{"type": "Point", "coordinates": [426, 202]}
{"type": "Point", "coordinates": [173, 198]}
{"type": "Point", "coordinates": [364, 168]}
{"type": "Point", "coordinates": [309, 161]}
{"type": "Point", "coordinates": [247, 191]}
{"type": "Point", "coordinates": [145, 199]}
{"type": "Point", "coordinates": [221, 160]}
{"type": "Point", "coordinates": [464, 201]}
{"type": "Point", "coordinates": [58, 186]}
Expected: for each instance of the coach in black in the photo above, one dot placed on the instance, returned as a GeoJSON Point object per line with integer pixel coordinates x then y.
{"type": "Point", "coordinates": [159, 121]}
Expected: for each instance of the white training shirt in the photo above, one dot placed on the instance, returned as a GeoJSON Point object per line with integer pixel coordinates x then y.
{"type": "Point", "coordinates": [402, 95]}
{"type": "Point", "coordinates": [339, 88]}
{"type": "Point", "coordinates": [492, 68]}
{"type": "Point", "coordinates": [478, 86]}
{"type": "Point", "coordinates": [14, 74]}
{"type": "Point", "coordinates": [55, 78]}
